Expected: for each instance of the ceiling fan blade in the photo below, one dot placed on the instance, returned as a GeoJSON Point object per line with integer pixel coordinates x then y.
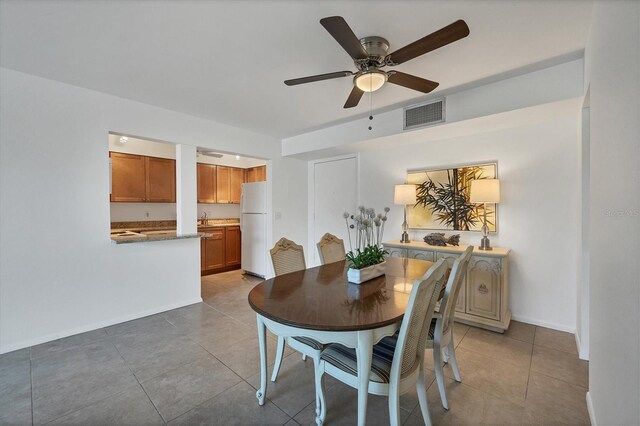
{"type": "Point", "coordinates": [354, 97]}
{"type": "Point", "coordinates": [433, 41]}
{"type": "Point", "coordinates": [411, 81]}
{"type": "Point", "coordinates": [318, 77]}
{"type": "Point", "coordinates": [340, 30]}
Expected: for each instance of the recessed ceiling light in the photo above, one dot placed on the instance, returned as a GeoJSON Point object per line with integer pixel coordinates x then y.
{"type": "Point", "coordinates": [237, 157]}
{"type": "Point", "coordinates": [123, 139]}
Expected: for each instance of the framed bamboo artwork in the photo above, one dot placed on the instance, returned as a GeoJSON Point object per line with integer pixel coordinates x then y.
{"type": "Point", "coordinates": [443, 198]}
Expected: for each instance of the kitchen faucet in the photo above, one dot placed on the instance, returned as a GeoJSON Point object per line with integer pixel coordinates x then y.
{"type": "Point", "coordinates": [203, 219]}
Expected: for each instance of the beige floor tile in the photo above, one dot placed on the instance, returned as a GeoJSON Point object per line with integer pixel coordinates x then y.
{"type": "Point", "coordinates": [498, 346]}
{"type": "Point", "coordinates": [560, 365]}
{"type": "Point", "coordinates": [521, 331]}
{"type": "Point", "coordinates": [491, 375]}
{"type": "Point", "coordinates": [555, 339]}
{"type": "Point", "coordinates": [243, 357]}
{"type": "Point", "coordinates": [552, 401]}
{"type": "Point", "coordinates": [459, 331]}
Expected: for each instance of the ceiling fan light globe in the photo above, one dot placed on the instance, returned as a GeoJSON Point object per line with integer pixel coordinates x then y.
{"type": "Point", "coordinates": [370, 81]}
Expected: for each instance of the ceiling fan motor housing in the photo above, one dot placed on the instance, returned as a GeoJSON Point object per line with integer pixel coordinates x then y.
{"type": "Point", "coordinates": [377, 48]}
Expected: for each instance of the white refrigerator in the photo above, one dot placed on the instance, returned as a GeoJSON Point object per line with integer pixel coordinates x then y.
{"type": "Point", "coordinates": [253, 227]}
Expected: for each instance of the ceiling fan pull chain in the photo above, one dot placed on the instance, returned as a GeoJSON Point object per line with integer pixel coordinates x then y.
{"type": "Point", "coordinates": [370, 108]}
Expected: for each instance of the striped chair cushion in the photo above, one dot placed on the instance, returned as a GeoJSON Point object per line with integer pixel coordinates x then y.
{"type": "Point", "coordinates": [310, 342]}
{"type": "Point", "coordinates": [432, 328]}
{"type": "Point", "coordinates": [345, 359]}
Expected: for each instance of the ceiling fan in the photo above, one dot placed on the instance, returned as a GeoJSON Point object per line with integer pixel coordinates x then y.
{"type": "Point", "coordinates": [370, 56]}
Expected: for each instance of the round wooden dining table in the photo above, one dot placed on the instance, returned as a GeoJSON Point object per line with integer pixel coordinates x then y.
{"type": "Point", "coordinates": [321, 304]}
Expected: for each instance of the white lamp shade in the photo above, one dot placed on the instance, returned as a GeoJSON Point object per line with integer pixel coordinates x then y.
{"type": "Point", "coordinates": [404, 194]}
{"type": "Point", "coordinates": [485, 191]}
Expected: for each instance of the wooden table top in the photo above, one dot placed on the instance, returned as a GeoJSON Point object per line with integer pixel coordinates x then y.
{"type": "Point", "coordinates": [321, 298]}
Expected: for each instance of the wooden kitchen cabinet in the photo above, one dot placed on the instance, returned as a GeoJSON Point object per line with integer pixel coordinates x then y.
{"type": "Point", "coordinates": [232, 252]}
{"type": "Point", "coordinates": [256, 174]}
{"type": "Point", "coordinates": [214, 249]}
{"type": "Point", "coordinates": [483, 300]}
{"type": "Point", "coordinates": [221, 251]}
{"type": "Point", "coordinates": [236, 179]}
{"type": "Point", "coordinates": [139, 178]}
{"type": "Point", "coordinates": [223, 177]}
{"type": "Point", "coordinates": [160, 180]}
{"type": "Point", "coordinates": [206, 183]}
{"type": "Point", "coordinates": [127, 177]}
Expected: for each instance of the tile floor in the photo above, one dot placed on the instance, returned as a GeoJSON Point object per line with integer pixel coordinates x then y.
{"type": "Point", "coordinates": [199, 365]}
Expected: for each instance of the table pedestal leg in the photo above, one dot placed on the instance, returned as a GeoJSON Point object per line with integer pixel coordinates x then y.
{"type": "Point", "coordinates": [262, 340]}
{"type": "Point", "coordinates": [363, 353]}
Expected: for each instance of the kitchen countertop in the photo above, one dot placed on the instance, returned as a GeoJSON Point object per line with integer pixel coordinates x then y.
{"type": "Point", "coordinates": [159, 230]}
{"type": "Point", "coordinates": [142, 237]}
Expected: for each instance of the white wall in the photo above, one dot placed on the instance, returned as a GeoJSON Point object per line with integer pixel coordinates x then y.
{"type": "Point", "coordinates": [612, 60]}
{"type": "Point", "coordinates": [549, 85]}
{"type": "Point", "coordinates": [59, 271]}
{"type": "Point", "coordinates": [537, 166]}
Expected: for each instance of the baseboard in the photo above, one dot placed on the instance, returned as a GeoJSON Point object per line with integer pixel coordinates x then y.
{"type": "Point", "coordinates": [552, 325]}
{"type": "Point", "coordinates": [592, 416]}
{"type": "Point", "coordinates": [583, 353]}
{"type": "Point", "coordinates": [77, 330]}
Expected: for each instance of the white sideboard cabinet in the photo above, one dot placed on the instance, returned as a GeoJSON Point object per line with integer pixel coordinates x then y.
{"type": "Point", "coordinates": [483, 300]}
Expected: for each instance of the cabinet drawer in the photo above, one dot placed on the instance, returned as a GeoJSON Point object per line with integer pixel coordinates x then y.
{"type": "Point", "coordinates": [422, 255]}
{"type": "Point", "coordinates": [484, 287]}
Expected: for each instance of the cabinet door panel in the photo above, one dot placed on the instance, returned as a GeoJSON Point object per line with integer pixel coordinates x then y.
{"type": "Point", "coordinates": [161, 180]}
{"type": "Point", "coordinates": [261, 174]}
{"type": "Point", "coordinates": [450, 258]}
{"type": "Point", "coordinates": [127, 177]}
{"type": "Point", "coordinates": [203, 255]}
{"type": "Point", "coordinates": [396, 252]}
{"type": "Point", "coordinates": [206, 183]}
{"type": "Point", "coordinates": [232, 253]}
{"type": "Point", "coordinates": [222, 184]}
{"type": "Point", "coordinates": [483, 287]}
{"type": "Point", "coordinates": [214, 249]}
{"type": "Point", "coordinates": [235, 185]}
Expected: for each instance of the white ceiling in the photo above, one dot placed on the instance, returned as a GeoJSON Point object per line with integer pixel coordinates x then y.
{"type": "Point", "coordinates": [226, 60]}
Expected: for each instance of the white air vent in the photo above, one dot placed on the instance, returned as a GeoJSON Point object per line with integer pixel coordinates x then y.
{"type": "Point", "coordinates": [424, 114]}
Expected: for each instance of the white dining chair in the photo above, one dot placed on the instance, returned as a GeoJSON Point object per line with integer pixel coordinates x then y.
{"type": "Point", "coordinates": [441, 331]}
{"type": "Point", "coordinates": [288, 257]}
{"type": "Point", "coordinates": [398, 361]}
{"type": "Point", "coordinates": [330, 249]}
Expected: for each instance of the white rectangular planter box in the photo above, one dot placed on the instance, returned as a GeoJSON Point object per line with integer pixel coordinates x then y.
{"type": "Point", "coordinates": [358, 276]}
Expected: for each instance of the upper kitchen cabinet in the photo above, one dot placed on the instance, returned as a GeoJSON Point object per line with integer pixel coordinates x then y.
{"type": "Point", "coordinates": [236, 179]}
{"type": "Point", "coordinates": [127, 177]}
{"type": "Point", "coordinates": [138, 178]}
{"type": "Point", "coordinates": [206, 183]}
{"type": "Point", "coordinates": [256, 174]}
{"type": "Point", "coordinates": [161, 180]}
{"type": "Point", "coordinates": [223, 177]}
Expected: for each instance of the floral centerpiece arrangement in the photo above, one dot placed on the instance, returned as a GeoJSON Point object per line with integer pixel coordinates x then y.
{"type": "Point", "coordinates": [366, 261]}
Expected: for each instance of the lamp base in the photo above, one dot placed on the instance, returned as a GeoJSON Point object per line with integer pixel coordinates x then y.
{"type": "Point", "coordinates": [405, 238]}
{"type": "Point", "coordinates": [485, 244]}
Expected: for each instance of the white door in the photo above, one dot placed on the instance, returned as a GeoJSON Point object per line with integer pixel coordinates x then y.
{"type": "Point", "coordinates": [335, 191]}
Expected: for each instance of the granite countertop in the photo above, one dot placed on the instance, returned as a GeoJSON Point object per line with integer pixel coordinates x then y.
{"type": "Point", "coordinates": [133, 237]}
{"type": "Point", "coordinates": [160, 230]}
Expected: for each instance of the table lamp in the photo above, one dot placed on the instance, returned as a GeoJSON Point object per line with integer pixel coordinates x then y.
{"type": "Point", "coordinates": [405, 194]}
{"type": "Point", "coordinates": [484, 191]}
